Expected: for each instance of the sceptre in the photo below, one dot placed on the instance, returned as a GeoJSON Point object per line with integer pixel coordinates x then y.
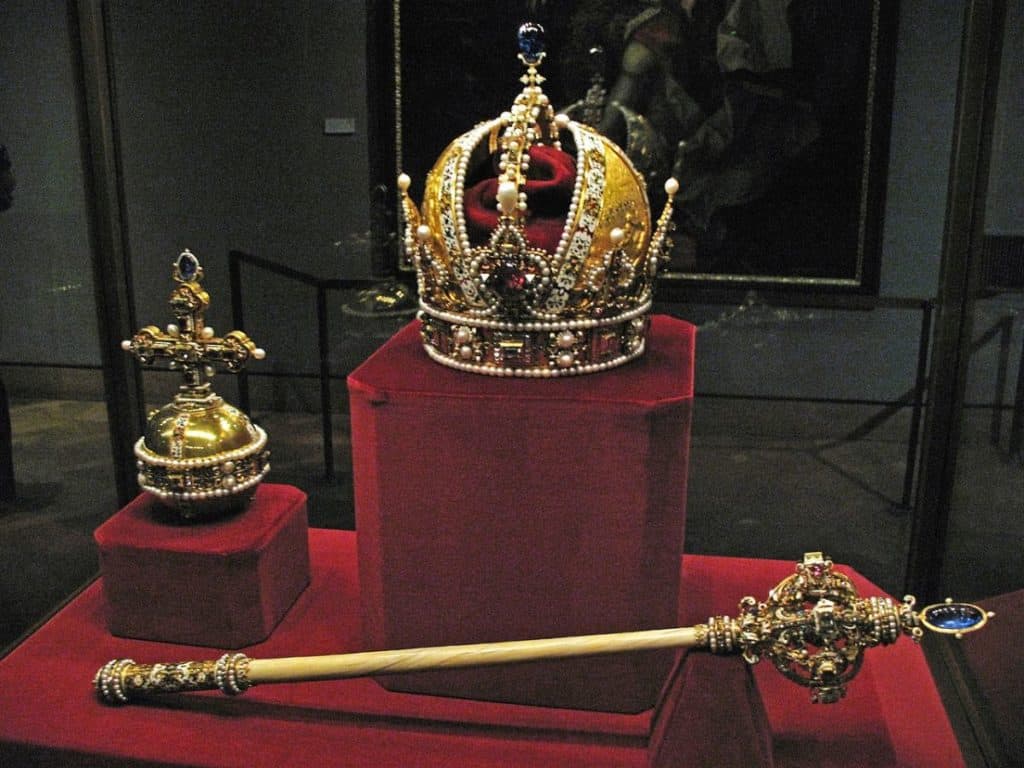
{"type": "Point", "coordinates": [813, 627]}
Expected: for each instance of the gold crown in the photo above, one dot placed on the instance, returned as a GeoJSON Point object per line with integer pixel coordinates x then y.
{"type": "Point", "coordinates": [199, 455]}
{"type": "Point", "coordinates": [498, 302]}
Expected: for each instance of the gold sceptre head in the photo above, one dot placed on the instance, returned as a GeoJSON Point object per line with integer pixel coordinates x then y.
{"type": "Point", "coordinates": [199, 455]}
{"type": "Point", "coordinates": [813, 627]}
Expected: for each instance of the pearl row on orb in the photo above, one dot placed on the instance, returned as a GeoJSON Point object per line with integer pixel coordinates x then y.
{"type": "Point", "coordinates": [144, 454]}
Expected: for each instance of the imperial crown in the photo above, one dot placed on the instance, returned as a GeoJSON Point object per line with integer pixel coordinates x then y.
{"type": "Point", "coordinates": [534, 249]}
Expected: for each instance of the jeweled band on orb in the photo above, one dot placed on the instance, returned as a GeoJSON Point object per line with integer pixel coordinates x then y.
{"type": "Point", "coordinates": [201, 479]}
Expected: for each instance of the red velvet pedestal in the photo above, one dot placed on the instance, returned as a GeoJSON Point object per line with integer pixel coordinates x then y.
{"type": "Point", "coordinates": [710, 714]}
{"type": "Point", "coordinates": [491, 508]}
{"type": "Point", "coordinates": [224, 583]}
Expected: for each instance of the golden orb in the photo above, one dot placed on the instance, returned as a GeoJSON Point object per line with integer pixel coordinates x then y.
{"type": "Point", "coordinates": [203, 457]}
{"type": "Point", "coordinates": [199, 455]}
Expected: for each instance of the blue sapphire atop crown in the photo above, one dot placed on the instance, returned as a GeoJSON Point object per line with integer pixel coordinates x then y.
{"type": "Point", "coordinates": [531, 42]}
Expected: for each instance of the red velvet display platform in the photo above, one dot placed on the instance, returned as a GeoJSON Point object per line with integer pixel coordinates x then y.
{"type": "Point", "coordinates": [224, 583]}
{"type": "Point", "coordinates": [48, 715]}
{"type": "Point", "coordinates": [492, 508]}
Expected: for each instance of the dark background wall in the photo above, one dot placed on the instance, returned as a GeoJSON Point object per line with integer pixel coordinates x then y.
{"type": "Point", "coordinates": [221, 113]}
{"type": "Point", "coordinates": [47, 312]}
{"type": "Point", "coordinates": [221, 110]}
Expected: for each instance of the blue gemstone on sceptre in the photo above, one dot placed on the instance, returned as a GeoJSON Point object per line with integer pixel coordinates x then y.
{"type": "Point", "coordinates": [531, 41]}
{"type": "Point", "coordinates": [954, 616]}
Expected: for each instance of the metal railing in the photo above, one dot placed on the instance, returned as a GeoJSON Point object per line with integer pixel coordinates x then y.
{"type": "Point", "coordinates": [235, 261]}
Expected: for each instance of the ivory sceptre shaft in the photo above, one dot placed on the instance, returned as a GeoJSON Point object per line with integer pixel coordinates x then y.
{"type": "Point", "coordinates": [345, 665]}
{"type": "Point", "coordinates": [121, 680]}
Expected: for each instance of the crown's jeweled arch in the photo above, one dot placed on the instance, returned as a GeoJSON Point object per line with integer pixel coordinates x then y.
{"type": "Point", "coordinates": [199, 454]}
{"type": "Point", "coordinates": [506, 306]}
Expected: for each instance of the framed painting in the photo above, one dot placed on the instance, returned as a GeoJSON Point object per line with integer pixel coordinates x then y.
{"type": "Point", "coordinates": [773, 115]}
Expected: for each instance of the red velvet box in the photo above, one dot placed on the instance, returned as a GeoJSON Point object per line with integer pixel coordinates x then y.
{"type": "Point", "coordinates": [498, 509]}
{"type": "Point", "coordinates": [224, 583]}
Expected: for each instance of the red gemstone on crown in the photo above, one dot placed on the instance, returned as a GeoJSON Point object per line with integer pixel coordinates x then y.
{"type": "Point", "coordinates": [508, 279]}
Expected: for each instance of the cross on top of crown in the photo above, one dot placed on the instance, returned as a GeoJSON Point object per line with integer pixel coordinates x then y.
{"type": "Point", "coordinates": [189, 344]}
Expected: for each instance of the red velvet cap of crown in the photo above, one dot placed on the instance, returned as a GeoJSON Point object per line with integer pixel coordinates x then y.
{"type": "Point", "coordinates": [549, 186]}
